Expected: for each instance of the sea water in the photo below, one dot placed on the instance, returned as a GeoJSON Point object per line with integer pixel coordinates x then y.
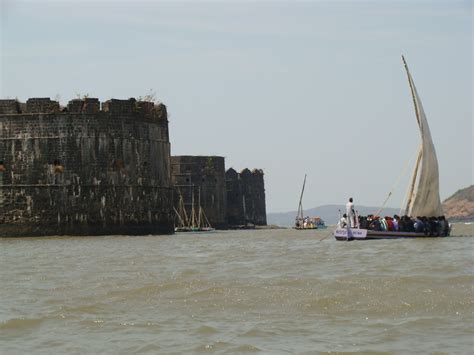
{"type": "Point", "coordinates": [268, 291]}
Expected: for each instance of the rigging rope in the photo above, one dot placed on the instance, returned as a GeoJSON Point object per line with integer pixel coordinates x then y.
{"type": "Point", "coordinates": [395, 185]}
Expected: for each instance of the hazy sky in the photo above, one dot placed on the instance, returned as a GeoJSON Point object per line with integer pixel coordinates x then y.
{"type": "Point", "coordinates": [291, 87]}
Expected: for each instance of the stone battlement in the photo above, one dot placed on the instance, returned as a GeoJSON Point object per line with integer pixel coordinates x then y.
{"type": "Point", "coordinates": [85, 106]}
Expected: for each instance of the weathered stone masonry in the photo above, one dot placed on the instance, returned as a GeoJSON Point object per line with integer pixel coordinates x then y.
{"type": "Point", "coordinates": [228, 198]}
{"type": "Point", "coordinates": [84, 170]}
{"type": "Point", "coordinates": [203, 176]}
{"type": "Point", "coordinates": [245, 198]}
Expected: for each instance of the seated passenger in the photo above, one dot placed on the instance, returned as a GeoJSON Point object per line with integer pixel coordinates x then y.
{"type": "Point", "coordinates": [446, 226]}
{"type": "Point", "coordinates": [440, 226]}
{"type": "Point", "coordinates": [426, 225]}
{"type": "Point", "coordinates": [418, 225]}
{"type": "Point", "coordinates": [395, 223]}
{"type": "Point", "coordinates": [409, 224]}
{"type": "Point", "coordinates": [375, 224]}
{"type": "Point", "coordinates": [342, 222]}
{"type": "Point", "coordinates": [363, 223]}
{"type": "Point", "coordinates": [434, 227]}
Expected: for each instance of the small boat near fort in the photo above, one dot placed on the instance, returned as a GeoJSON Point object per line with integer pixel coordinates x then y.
{"type": "Point", "coordinates": [301, 222]}
{"type": "Point", "coordinates": [196, 222]}
{"type": "Point", "coordinates": [422, 197]}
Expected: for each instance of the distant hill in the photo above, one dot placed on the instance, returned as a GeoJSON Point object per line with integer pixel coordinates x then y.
{"type": "Point", "coordinates": [460, 206]}
{"type": "Point", "coordinates": [329, 213]}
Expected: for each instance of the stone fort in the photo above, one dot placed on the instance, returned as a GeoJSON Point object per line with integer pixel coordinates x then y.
{"type": "Point", "coordinates": [94, 168]}
{"type": "Point", "coordinates": [229, 199]}
{"type": "Point", "coordinates": [87, 169]}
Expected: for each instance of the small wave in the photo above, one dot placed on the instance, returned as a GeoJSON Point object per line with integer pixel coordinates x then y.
{"type": "Point", "coordinates": [323, 303]}
{"type": "Point", "coordinates": [146, 290]}
{"type": "Point", "coordinates": [206, 330]}
{"type": "Point", "coordinates": [258, 333]}
{"type": "Point", "coordinates": [20, 324]}
{"type": "Point", "coordinates": [82, 309]}
{"type": "Point", "coordinates": [216, 346]}
{"type": "Point", "coordinates": [211, 291]}
{"type": "Point", "coordinates": [245, 348]}
{"type": "Point", "coordinates": [149, 348]}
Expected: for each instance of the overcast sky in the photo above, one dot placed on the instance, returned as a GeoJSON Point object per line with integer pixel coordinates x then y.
{"type": "Point", "coordinates": [291, 87]}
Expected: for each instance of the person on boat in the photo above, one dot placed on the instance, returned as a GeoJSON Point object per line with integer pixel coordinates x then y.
{"type": "Point", "coordinates": [297, 222]}
{"type": "Point", "coordinates": [440, 226]}
{"type": "Point", "coordinates": [363, 222]}
{"type": "Point", "coordinates": [430, 228]}
{"type": "Point", "coordinates": [419, 225]}
{"type": "Point", "coordinates": [375, 224]}
{"type": "Point", "coordinates": [390, 223]}
{"type": "Point", "coordinates": [350, 213]}
{"type": "Point", "coordinates": [395, 220]}
{"type": "Point", "coordinates": [342, 222]}
{"type": "Point", "coordinates": [443, 226]}
{"type": "Point", "coordinates": [410, 224]}
{"type": "Point", "coordinates": [432, 224]}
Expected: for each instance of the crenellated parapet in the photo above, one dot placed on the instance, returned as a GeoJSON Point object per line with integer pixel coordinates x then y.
{"type": "Point", "coordinates": [9, 107]}
{"type": "Point", "coordinates": [44, 105]}
{"type": "Point", "coordinates": [87, 105]}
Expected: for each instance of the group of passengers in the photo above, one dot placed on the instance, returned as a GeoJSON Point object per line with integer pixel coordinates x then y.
{"type": "Point", "coordinates": [432, 226]}
{"type": "Point", "coordinates": [305, 222]}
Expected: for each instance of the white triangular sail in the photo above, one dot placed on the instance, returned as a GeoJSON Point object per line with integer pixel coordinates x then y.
{"type": "Point", "coordinates": [423, 195]}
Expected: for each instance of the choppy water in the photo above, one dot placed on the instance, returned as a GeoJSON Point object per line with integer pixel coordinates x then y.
{"type": "Point", "coordinates": [271, 291]}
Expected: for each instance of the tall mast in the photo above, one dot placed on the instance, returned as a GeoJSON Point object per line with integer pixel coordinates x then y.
{"type": "Point", "coordinates": [412, 90]}
{"type": "Point", "coordinates": [420, 153]}
{"type": "Point", "coordinates": [300, 206]}
{"type": "Point", "coordinates": [193, 213]}
{"type": "Point", "coordinates": [199, 204]}
{"type": "Point", "coordinates": [182, 211]}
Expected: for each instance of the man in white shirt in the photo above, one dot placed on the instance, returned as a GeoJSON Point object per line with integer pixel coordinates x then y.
{"type": "Point", "coordinates": [350, 213]}
{"type": "Point", "coordinates": [342, 222]}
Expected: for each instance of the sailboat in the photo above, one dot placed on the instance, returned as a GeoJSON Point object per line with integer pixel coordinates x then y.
{"type": "Point", "coordinates": [302, 222]}
{"type": "Point", "coordinates": [423, 192]}
{"type": "Point", "coordinates": [182, 224]}
{"type": "Point", "coordinates": [197, 222]}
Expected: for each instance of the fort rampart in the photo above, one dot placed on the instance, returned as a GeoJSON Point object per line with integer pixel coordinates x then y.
{"type": "Point", "coordinates": [245, 198]}
{"type": "Point", "coordinates": [200, 180]}
{"type": "Point", "coordinates": [86, 169]}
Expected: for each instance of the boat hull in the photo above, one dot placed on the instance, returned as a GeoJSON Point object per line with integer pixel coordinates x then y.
{"type": "Point", "coordinates": [365, 234]}
{"type": "Point", "coordinates": [193, 230]}
{"type": "Point", "coordinates": [309, 228]}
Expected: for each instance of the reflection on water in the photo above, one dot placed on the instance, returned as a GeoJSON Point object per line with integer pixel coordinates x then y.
{"type": "Point", "coordinates": [237, 291]}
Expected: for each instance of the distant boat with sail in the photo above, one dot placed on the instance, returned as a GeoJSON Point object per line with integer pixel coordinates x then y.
{"type": "Point", "coordinates": [302, 222]}
{"type": "Point", "coordinates": [423, 201]}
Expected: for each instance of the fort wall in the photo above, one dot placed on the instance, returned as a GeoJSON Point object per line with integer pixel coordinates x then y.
{"type": "Point", "coordinates": [87, 169]}
{"type": "Point", "coordinates": [202, 179]}
{"type": "Point", "coordinates": [245, 198]}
